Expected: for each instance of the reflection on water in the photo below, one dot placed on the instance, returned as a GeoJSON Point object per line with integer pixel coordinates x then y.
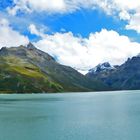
{"type": "Point", "coordinates": [84, 116]}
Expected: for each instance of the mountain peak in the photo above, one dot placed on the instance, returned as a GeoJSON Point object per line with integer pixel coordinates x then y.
{"type": "Point", "coordinates": [31, 46]}
{"type": "Point", "coordinates": [3, 51]}
{"type": "Point", "coordinates": [102, 67]}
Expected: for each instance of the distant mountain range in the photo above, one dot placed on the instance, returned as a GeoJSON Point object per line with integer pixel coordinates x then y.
{"type": "Point", "coordinates": [25, 69]}
{"type": "Point", "coordinates": [124, 77]}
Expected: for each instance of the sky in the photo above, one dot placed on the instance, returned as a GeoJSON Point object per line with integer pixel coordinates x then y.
{"type": "Point", "coordinates": [78, 33]}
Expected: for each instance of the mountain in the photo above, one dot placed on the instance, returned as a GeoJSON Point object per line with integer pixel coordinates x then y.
{"type": "Point", "coordinates": [26, 69]}
{"type": "Point", "coordinates": [124, 77]}
{"type": "Point", "coordinates": [101, 72]}
{"type": "Point", "coordinates": [104, 67]}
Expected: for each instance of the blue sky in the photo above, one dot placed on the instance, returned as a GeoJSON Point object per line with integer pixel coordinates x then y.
{"type": "Point", "coordinates": [81, 22]}
{"type": "Point", "coordinates": [78, 23]}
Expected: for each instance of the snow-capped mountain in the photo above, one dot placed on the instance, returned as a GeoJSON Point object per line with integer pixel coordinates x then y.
{"type": "Point", "coordinates": [125, 76]}
{"type": "Point", "coordinates": [102, 68]}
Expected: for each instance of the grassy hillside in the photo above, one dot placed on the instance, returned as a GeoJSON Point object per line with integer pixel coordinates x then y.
{"type": "Point", "coordinates": [18, 76]}
{"type": "Point", "coordinates": [29, 70]}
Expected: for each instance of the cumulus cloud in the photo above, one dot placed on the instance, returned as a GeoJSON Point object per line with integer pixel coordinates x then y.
{"type": "Point", "coordinates": [52, 6]}
{"type": "Point", "coordinates": [130, 10]}
{"type": "Point", "coordinates": [33, 30]}
{"type": "Point", "coordinates": [71, 5]}
{"type": "Point", "coordinates": [124, 15]}
{"type": "Point", "coordinates": [125, 10]}
{"type": "Point", "coordinates": [57, 6]}
{"type": "Point", "coordinates": [134, 23]}
{"type": "Point", "coordinates": [9, 37]}
{"type": "Point", "coordinates": [85, 53]}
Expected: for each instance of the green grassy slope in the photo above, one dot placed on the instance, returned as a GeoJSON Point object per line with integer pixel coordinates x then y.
{"type": "Point", "coordinates": [29, 70]}
{"type": "Point", "coordinates": [19, 76]}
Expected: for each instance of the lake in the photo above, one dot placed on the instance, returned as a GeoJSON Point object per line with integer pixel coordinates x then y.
{"type": "Point", "coordinates": [73, 116]}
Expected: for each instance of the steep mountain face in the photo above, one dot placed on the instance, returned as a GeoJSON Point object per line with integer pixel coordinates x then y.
{"type": "Point", "coordinates": [105, 67]}
{"type": "Point", "coordinates": [126, 76]}
{"type": "Point", "coordinates": [101, 71]}
{"type": "Point", "coordinates": [29, 70]}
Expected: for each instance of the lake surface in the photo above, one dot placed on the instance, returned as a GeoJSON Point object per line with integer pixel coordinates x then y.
{"type": "Point", "coordinates": [73, 116]}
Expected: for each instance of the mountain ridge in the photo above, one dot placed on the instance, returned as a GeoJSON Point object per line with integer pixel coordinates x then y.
{"type": "Point", "coordinates": [34, 71]}
{"type": "Point", "coordinates": [123, 77]}
{"type": "Point", "coordinates": [26, 69]}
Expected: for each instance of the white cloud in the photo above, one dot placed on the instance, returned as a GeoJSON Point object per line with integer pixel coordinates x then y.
{"type": "Point", "coordinates": [85, 53]}
{"type": "Point", "coordinates": [130, 10]}
{"type": "Point", "coordinates": [34, 30]}
{"type": "Point", "coordinates": [58, 6]}
{"type": "Point", "coordinates": [52, 6]}
{"type": "Point", "coordinates": [10, 37]}
{"type": "Point", "coordinates": [71, 5]}
{"type": "Point", "coordinates": [124, 15]}
{"type": "Point", "coordinates": [127, 4]}
{"type": "Point", "coordinates": [134, 23]}
{"type": "Point", "coordinates": [125, 10]}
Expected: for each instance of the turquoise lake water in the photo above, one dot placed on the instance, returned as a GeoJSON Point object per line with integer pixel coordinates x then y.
{"type": "Point", "coordinates": [73, 116]}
